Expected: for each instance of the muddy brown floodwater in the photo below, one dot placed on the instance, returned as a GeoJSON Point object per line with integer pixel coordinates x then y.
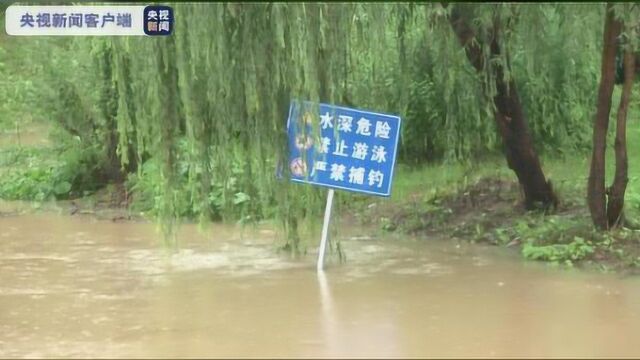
{"type": "Point", "coordinates": [81, 287]}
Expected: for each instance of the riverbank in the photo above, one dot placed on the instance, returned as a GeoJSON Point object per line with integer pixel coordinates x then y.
{"type": "Point", "coordinates": [488, 211]}
{"type": "Point", "coordinates": [478, 202]}
{"type": "Point", "coordinates": [482, 204]}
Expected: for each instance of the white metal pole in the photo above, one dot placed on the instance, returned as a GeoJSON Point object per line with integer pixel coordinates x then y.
{"type": "Point", "coordinates": [325, 230]}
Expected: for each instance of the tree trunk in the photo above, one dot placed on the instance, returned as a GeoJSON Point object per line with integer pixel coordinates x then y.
{"type": "Point", "coordinates": [111, 170]}
{"type": "Point", "coordinates": [595, 187]}
{"type": "Point", "coordinates": [509, 115]}
{"type": "Point", "coordinates": [615, 203]}
{"type": "Point", "coordinates": [169, 116]}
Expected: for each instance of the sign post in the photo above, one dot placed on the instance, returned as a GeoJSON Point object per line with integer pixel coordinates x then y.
{"type": "Point", "coordinates": [325, 230]}
{"type": "Point", "coordinates": [341, 148]}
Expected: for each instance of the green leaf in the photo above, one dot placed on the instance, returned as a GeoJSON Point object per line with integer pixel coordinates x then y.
{"type": "Point", "coordinates": [240, 198]}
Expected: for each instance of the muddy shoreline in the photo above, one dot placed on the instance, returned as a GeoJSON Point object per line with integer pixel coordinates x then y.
{"type": "Point", "coordinates": [487, 211]}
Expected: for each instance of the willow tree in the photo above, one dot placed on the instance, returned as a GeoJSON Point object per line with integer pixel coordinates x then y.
{"type": "Point", "coordinates": [85, 97]}
{"type": "Point", "coordinates": [484, 45]}
{"type": "Point", "coordinates": [236, 77]}
{"type": "Point", "coordinates": [557, 69]}
{"type": "Point", "coordinates": [201, 115]}
{"type": "Point", "coordinates": [606, 205]}
{"type": "Point", "coordinates": [107, 104]}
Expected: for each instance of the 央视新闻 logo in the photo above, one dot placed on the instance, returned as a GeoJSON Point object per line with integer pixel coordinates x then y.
{"type": "Point", "coordinates": [158, 20]}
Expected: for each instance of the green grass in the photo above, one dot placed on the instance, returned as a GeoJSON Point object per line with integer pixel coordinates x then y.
{"type": "Point", "coordinates": [27, 173]}
{"type": "Point", "coordinates": [421, 196]}
{"type": "Point", "coordinates": [35, 169]}
{"type": "Point", "coordinates": [410, 182]}
{"type": "Point", "coordinates": [568, 173]}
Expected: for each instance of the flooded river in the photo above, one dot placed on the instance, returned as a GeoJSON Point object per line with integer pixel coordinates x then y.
{"type": "Point", "coordinates": [80, 287]}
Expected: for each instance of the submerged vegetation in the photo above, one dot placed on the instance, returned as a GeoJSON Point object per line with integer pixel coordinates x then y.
{"type": "Point", "coordinates": [193, 125]}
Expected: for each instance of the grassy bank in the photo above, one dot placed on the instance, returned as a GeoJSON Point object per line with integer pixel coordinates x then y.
{"type": "Point", "coordinates": [481, 202]}
{"type": "Point", "coordinates": [477, 202]}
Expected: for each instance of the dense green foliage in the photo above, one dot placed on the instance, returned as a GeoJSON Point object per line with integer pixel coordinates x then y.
{"type": "Point", "coordinates": [195, 122]}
